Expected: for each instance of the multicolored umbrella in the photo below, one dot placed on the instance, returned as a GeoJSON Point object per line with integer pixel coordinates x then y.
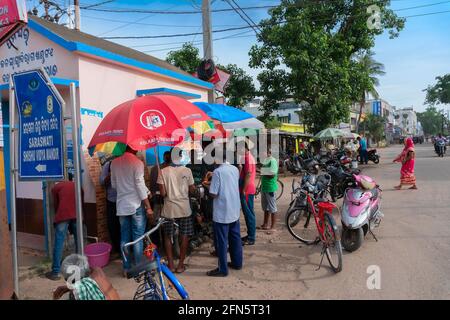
{"type": "Point", "coordinates": [146, 122]}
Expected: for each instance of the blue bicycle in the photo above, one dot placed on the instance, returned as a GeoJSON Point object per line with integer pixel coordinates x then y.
{"type": "Point", "coordinates": [156, 281]}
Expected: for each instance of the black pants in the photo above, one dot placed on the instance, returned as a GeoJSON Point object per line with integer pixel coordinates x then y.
{"type": "Point", "coordinates": [113, 225]}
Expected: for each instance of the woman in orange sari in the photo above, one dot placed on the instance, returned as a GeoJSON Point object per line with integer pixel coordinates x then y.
{"type": "Point", "coordinates": [407, 158]}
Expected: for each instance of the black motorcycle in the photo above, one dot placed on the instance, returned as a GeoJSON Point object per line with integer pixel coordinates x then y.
{"type": "Point", "coordinates": [341, 179]}
{"type": "Point", "coordinates": [372, 156]}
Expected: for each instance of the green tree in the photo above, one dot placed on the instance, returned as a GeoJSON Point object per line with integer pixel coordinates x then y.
{"type": "Point", "coordinates": [440, 92]}
{"type": "Point", "coordinates": [431, 120]}
{"type": "Point", "coordinates": [187, 58]}
{"type": "Point", "coordinates": [370, 70]}
{"type": "Point", "coordinates": [374, 125]}
{"type": "Point", "coordinates": [240, 88]}
{"type": "Point", "coordinates": [270, 122]}
{"type": "Point", "coordinates": [306, 50]}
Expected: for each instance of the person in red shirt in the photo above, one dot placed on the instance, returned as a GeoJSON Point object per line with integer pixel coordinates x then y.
{"type": "Point", "coordinates": [63, 194]}
{"type": "Point", "coordinates": [247, 191]}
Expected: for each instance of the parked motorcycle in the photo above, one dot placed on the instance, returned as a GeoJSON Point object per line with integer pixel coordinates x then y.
{"type": "Point", "coordinates": [291, 163]}
{"type": "Point", "coordinates": [341, 178]}
{"type": "Point", "coordinates": [372, 155]}
{"type": "Point", "coordinates": [360, 212]}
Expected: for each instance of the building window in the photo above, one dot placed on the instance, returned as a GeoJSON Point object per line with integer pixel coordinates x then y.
{"type": "Point", "coordinates": [283, 119]}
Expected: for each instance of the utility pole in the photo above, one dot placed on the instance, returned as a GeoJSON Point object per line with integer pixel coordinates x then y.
{"type": "Point", "coordinates": [207, 39]}
{"type": "Point", "coordinates": [46, 9]}
{"type": "Point", "coordinates": [76, 4]}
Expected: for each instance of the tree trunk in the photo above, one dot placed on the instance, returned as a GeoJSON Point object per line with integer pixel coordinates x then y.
{"type": "Point", "coordinates": [362, 103]}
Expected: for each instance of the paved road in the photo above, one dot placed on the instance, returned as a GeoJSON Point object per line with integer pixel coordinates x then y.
{"type": "Point", "coordinates": [413, 252]}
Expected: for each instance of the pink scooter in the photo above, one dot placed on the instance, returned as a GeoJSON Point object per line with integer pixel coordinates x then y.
{"type": "Point", "coordinates": [360, 212]}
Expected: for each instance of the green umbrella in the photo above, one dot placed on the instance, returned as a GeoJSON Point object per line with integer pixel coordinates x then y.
{"type": "Point", "coordinates": [329, 133]}
{"type": "Point", "coordinates": [245, 132]}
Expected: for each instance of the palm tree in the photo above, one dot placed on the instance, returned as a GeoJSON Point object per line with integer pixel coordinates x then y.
{"type": "Point", "coordinates": [373, 69]}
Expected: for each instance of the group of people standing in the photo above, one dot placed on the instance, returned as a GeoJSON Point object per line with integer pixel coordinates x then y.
{"type": "Point", "coordinates": [132, 207]}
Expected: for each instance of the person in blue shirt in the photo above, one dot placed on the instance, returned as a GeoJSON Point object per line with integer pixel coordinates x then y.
{"type": "Point", "coordinates": [224, 189]}
{"type": "Point", "coordinates": [363, 154]}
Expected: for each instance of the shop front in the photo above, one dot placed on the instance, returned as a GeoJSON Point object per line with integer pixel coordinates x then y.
{"type": "Point", "coordinates": [105, 74]}
{"type": "Point", "coordinates": [292, 136]}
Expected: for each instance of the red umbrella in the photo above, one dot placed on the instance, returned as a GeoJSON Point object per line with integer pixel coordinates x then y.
{"type": "Point", "coordinates": [148, 121]}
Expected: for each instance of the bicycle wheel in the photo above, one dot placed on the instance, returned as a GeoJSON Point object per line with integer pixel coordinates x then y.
{"type": "Point", "coordinates": [301, 225]}
{"type": "Point", "coordinates": [280, 189]}
{"type": "Point", "coordinates": [333, 244]}
{"type": "Point", "coordinates": [174, 289]}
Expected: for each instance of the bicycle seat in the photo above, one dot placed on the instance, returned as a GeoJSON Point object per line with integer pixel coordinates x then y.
{"type": "Point", "coordinates": [144, 266]}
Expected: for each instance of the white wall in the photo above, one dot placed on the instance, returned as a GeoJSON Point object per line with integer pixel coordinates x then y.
{"type": "Point", "coordinates": [104, 86]}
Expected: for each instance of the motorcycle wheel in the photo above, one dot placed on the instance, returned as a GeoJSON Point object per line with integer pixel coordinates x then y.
{"type": "Point", "coordinates": [376, 160]}
{"type": "Point", "coordinates": [352, 238]}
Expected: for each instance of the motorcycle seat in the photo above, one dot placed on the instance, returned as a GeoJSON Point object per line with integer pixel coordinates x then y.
{"type": "Point", "coordinates": [144, 266]}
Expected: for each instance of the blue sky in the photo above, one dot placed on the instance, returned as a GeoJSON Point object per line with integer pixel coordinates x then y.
{"type": "Point", "coordinates": [412, 61]}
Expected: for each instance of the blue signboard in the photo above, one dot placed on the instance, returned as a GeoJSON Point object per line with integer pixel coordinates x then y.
{"type": "Point", "coordinates": [41, 154]}
{"type": "Point", "coordinates": [376, 107]}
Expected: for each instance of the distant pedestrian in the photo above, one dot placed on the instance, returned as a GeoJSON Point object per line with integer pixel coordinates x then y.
{"type": "Point", "coordinates": [269, 187]}
{"type": "Point", "coordinates": [363, 154]}
{"type": "Point", "coordinates": [247, 191]}
{"type": "Point", "coordinates": [224, 189]}
{"type": "Point", "coordinates": [65, 220]}
{"type": "Point", "coordinates": [112, 219]}
{"type": "Point", "coordinates": [133, 206]}
{"type": "Point", "coordinates": [175, 182]}
{"type": "Point", "coordinates": [407, 158]}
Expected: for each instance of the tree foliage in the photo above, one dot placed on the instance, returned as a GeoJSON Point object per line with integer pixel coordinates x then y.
{"type": "Point", "coordinates": [370, 69]}
{"type": "Point", "coordinates": [187, 58]}
{"type": "Point", "coordinates": [431, 120]}
{"type": "Point", "coordinates": [270, 122]}
{"type": "Point", "coordinates": [240, 88]}
{"type": "Point", "coordinates": [440, 92]}
{"type": "Point", "coordinates": [374, 125]}
{"type": "Point", "coordinates": [307, 50]}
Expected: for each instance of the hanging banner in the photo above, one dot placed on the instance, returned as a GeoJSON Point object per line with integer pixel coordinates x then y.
{"type": "Point", "coordinates": [13, 15]}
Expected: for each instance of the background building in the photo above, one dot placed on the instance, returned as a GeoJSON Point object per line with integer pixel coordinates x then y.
{"type": "Point", "coordinates": [287, 111]}
{"type": "Point", "coordinates": [406, 120]}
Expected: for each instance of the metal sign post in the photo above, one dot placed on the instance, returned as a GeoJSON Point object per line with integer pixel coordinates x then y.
{"type": "Point", "coordinates": [12, 181]}
{"type": "Point", "coordinates": [77, 167]}
{"type": "Point", "coordinates": [41, 140]}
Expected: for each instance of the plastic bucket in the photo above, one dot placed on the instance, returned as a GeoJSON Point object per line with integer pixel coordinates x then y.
{"type": "Point", "coordinates": [98, 254]}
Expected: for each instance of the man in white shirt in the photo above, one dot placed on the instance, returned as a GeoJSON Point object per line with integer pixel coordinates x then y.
{"type": "Point", "coordinates": [127, 177]}
{"type": "Point", "coordinates": [175, 182]}
{"type": "Point", "coordinates": [226, 211]}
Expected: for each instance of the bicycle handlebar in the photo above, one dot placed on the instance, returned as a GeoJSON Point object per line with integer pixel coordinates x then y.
{"type": "Point", "coordinates": [159, 223]}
